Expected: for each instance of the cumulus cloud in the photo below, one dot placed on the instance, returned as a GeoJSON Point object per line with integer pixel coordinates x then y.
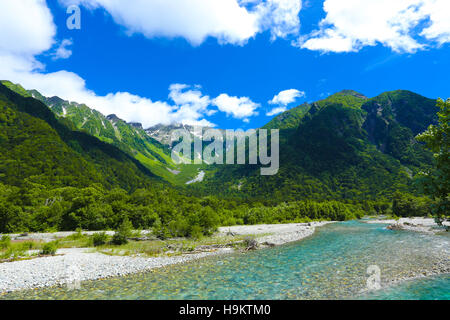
{"type": "Point", "coordinates": [353, 24]}
{"type": "Point", "coordinates": [184, 105]}
{"type": "Point", "coordinates": [281, 17]}
{"type": "Point", "coordinates": [275, 111]}
{"type": "Point", "coordinates": [348, 26]}
{"type": "Point", "coordinates": [283, 99]}
{"type": "Point", "coordinates": [286, 97]}
{"type": "Point", "coordinates": [238, 107]}
{"type": "Point", "coordinates": [439, 28]}
{"type": "Point", "coordinates": [27, 27]}
{"type": "Point", "coordinates": [31, 32]}
{"type": "Point", "coordinates": [229, 21]}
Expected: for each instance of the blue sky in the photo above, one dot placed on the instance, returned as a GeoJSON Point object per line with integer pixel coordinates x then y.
{"type": "Point", "coordinates": [229, 79]}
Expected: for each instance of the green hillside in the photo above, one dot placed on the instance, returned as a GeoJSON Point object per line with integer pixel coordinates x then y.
{"type": "Point", "coordinates": [129, 137]}
{"type": "Point", "coordinates": [37, 147]}
{"type": "Point", "coordinates": [340, 158]}
{"type": "Point", "coordinates": [336, 148]}
{"type": "Point", "coordinates": [55, 178]}
{"type": "Point", "coordinates": [393, 121]}
{"type": "Point", "coordinates": [292, 118]}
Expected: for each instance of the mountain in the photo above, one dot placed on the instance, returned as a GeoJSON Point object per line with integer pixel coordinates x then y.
{"type": "Point", "coordinates": [55, 177]}
{"type": "Point", "coordinates": [292, 118]}
{"type": "Point", "coordinates": [347, 146]}
{"type": "Point", "coordinates": [394, 119]}
{"type": "Point", "coordinates": [344, 147]}
{"type": "Point", "coordinates": [163, 133]}
{"type": "Point", "coordinates": [64, 166]}
{"type": "Point", "coordinates": [129, 137]}
{"type": "Point", "coordinates": [37, 147]}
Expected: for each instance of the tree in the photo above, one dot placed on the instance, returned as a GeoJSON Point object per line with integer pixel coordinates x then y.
{"type": "Point", "coordinates": [436, 181]}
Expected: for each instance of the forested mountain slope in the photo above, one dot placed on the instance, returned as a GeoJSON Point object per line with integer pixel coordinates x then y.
{"type": "Point", "coordinates": [344, 147]}
{"type": "Point", "coordinates": [129, 137]}
{"type": "Point", "coordinates": [35, 146]}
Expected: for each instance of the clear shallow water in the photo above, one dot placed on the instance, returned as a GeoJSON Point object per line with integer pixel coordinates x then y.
{"type": "Point", "coordinates": [332, 264]}
{"type": "Point", "coordinates": [433, 288]}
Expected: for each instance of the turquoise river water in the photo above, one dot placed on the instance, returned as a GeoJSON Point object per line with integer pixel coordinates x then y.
{"type": "Point", "coordinates": [331, 264]}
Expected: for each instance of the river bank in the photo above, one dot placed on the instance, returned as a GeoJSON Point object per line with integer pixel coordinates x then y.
{"type": "Point", "coordinates": [88, 264]}
{"type": "Point", "coordinates": [417, 224]}
{"type": "Point", "coordinates": [331, 264]}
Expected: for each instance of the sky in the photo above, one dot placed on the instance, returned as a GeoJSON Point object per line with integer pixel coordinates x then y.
{"type": "Point", "coordinates": [224, 63]}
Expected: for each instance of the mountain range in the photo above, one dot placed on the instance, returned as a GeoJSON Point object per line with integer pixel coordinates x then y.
{"type": "Point", "coordinates": [347, 146]}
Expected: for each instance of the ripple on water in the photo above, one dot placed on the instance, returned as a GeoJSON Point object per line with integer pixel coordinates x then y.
{"type": "Point", "coordinates": [331, 264]}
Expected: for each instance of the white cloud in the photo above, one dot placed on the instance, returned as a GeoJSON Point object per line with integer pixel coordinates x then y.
{"type": "Point", "coordinates": [280, 17]}
{"type": "Point", "coordinates": [62, 52]}
{"type": "Point", "coordinates": [26, 27]}
{"type": "Point", "coordinates": [352, 24]}
{"type": "Point", "coordinates": [286, 97]}
{"type": "Point", "coordinates": [230, 21]}
{"type": "Point", "coordinates": [240, 108]}
{"type": "Point", "coordinates": [275, 111]}
{"type": "Point", "coordinates": [439, 28]}
{"type": "Point", "coordinates": [33, 31]}
{"type": "Point", "coordinates": [283, 99]}
{"type": "Point", "coordinates": [188, 106]}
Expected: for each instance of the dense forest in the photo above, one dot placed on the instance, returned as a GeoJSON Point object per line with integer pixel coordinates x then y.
{"type": "Point", "coordinates": [344, 147]}
{"type": "Point", "coordinates": [342, 158]}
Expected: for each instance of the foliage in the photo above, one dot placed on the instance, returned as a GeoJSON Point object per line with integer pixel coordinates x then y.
{"type": "Point", "coordinates": [123, 233]}
{"type": "Point", "coordinates": [436, 181]}
{"type": "Point", "coordinates": [79, 170]}
{"type": "Point", "coordinates": [99, 239]}
{"type": "Point", "coordinates": [128, 137]}
{"type": "Point", "coordinates": [406, 205]}
{"type": "Point", "coordinates": [5, 242]}
{"type": "Point", "coordinates": [338, 151]}
{"type": "Point", "coordinates": [49, 248]}
{"type": "Point", "coordinates": [302, 211]}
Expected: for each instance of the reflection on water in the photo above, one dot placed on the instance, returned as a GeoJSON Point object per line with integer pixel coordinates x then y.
{"type": "Point", "coordinates": [332, 264]}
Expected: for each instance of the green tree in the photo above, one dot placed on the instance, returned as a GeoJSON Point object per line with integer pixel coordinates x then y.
{"type": "Point", "coordinates": [436, 182]}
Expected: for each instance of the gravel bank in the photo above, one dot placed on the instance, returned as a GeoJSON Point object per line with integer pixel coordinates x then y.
{"type": "Point", "coordinates": [80, 264]}
{"type": "Point", "coordinates": [83, 264]}
{"type": "Point", "coordinates": [275, 234]}
{"type": "Point", "coordinates": [417, 224]}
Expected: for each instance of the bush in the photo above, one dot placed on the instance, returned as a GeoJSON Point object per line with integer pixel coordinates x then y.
{"type": "Point", "coordinates": [196, 232]}
{"type": "Point", "coordinates": [123, 232]}
{"type": "Point", "coordinates": [27, 245]}
{"type": "Point", "coordinates": [119, 239]}
{"type": "Point", "coordinates": [406, 205]}
{"type": "Point", "coordinates": [5, 242]}
{"type": "Point", "coordinates": [99, 239]}
{"type": "Point", "coordinates": [49, 249]}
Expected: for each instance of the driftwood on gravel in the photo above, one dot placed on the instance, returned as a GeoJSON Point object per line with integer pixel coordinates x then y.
{"type": "Point", "coordinates": [251, 244]}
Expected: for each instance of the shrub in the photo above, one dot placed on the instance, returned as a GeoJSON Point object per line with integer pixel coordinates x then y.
{"type": "Point", "coordinates": [123, 232]}
{"type": "Point", "coordinates": [77, 235]}
{"type": "Point", "coordinates": [49, 249]}
{"type": "Point", "coordinates": [119, 239]}
{"type": "Point", "coordinates": [196, 232]}
{"type": "Point", "coordinates": [27, 245]}
{"type": "Point", "coordinates": [5, 242]}
{"type": "Point", "coordinates": [99, 239]}
{"type": "Point", "coordinates": [406, 205]}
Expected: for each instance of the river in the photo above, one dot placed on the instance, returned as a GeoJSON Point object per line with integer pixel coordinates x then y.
{"type": "Point", "coordinates": [331, 264]}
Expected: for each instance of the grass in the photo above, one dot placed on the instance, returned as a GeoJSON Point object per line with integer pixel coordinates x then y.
{"type": "Point", "coordinates": [15, 250]}
{"type": "Point", "coordinates": [152, 248]}
{"type": "Point", "coordinates": [19, 250]}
